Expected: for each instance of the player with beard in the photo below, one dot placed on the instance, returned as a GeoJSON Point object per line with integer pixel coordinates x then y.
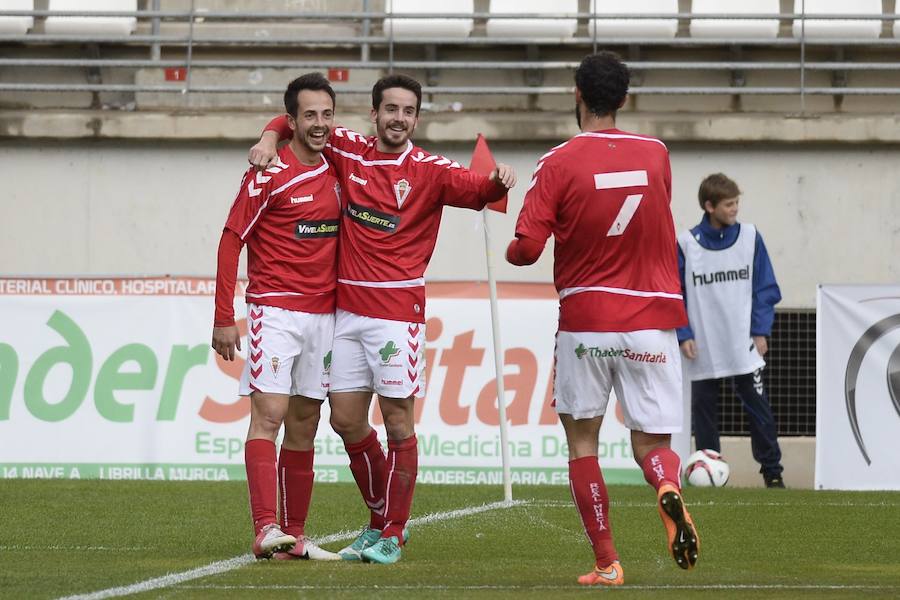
{"type": "Point", "coordinates": [393, 196]}
{"type": "Point", "coordinates": [605, 196]}
{"type": "Point", "coordinates": [288, 218]}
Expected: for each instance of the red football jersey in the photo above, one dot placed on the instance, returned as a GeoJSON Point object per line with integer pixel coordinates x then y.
{"type": "Point", "coordinates": [288, 216]}
{"type": "Point", "coordinates": [392, 212]}
{"type": "Point", "coordinates": [605, 196]}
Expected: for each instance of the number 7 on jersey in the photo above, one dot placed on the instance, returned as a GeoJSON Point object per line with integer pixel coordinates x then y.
{"type": "Point", "coordinates": [622, 179]}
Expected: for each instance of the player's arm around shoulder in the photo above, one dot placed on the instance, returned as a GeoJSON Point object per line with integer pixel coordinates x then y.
{"type": "Point", "coordinates": [348, 140]}
{"type": "Point", "coordinates": [264, 152]}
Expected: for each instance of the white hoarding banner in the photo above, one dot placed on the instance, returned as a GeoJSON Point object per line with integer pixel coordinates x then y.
{"type": "Point", "coordinates": [858, 387]}
{"type": "Point", "coordinates": [114, 378]}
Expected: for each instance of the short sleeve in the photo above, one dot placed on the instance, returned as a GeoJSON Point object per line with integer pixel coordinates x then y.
{"type": "Point", "coordinates": [538, 215]}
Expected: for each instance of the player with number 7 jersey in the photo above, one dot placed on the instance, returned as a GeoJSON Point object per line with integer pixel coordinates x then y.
{"type": "Point", "coordinates": [605, 196]}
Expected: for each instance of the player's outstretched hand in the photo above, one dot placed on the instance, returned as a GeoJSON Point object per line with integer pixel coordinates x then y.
{"type": "Point", "coordinates": [264, 153]}
{"type": "Point", "coordinates": [225, 340]}
{"type": "Point", "coordinates": [689, 349]}
{"type": "Point", "coordinates": [504, 175]}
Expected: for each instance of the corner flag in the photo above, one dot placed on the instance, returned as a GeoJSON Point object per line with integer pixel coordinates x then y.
{"type": "Point", "coordinates": [483, 163]}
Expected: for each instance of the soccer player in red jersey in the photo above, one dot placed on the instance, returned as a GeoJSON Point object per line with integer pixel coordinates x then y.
{"type": "Point", "coordinates": [288, 217]}
{"type": "Point", "coordinates": [393, 196]}
{"type": "Point", "coordinates": [604, 195]}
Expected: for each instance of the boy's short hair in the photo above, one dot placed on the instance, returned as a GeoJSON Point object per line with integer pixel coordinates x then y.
{"type": "Point", "coordinates": [715, 188]}
{"type": "Point", "coordinates": [311, 81]}
{"type": "Point", "coordinates": [396, 80]}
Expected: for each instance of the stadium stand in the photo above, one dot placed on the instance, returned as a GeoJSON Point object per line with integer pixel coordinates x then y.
{"type": "Point", "coordinates": [635, 28]}
{"type": "Point", "coordinates": [99, 25]}
{"type": "Point", "coordinates": [424, 28]}
{"type": "Point", "coordinates": [16, 25]}
{"type": "Point", "coordinates": [838, 28]}
{"type": "Point", "coordinates": [897, 21]}
{"type": "Point", "coordinates": [481, 55]}
{"type": "Point", "coordinates": [734, 28]}
{"type": "Point", "coordinates": [532, 28]}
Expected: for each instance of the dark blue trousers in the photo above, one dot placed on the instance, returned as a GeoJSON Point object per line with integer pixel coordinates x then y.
{"type": "Point", "coordinates": [763, 434]}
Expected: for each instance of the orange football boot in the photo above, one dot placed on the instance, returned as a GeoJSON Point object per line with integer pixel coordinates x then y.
{"type": "Point", "coordinates": [683, 541]}
{"type": "Point", "coordinates": [611, 575]}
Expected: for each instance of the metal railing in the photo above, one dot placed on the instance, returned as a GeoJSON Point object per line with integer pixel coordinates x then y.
{"type": "Point", "coordinates": [369, 45]}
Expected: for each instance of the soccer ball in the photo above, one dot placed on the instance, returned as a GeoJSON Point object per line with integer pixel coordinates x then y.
{"type": "Point", "coordinates": [707, 468]}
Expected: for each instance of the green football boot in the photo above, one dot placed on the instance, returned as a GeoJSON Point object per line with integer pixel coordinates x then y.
{"type": "Point", "coordinates": [385, 551]}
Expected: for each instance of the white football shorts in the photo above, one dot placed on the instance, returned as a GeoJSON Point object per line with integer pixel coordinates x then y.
{"type": "Point", "coordinates": [387, 357]}
{"type": "Point", "coordinates": [288, 352]}
{"type": "Point", "coordinates": [643, 367]}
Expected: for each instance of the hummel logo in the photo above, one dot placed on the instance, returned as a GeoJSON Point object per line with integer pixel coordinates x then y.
{"type": "Point", "coordinates": [301, 199]}
{"type": "Point", "coordinates": [358, 180]}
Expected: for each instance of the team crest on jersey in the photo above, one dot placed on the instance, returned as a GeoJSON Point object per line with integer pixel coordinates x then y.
{"type": "Point", "coordinates": [401, 191]}
{"type": "Point", "coordinates": [275, 365]}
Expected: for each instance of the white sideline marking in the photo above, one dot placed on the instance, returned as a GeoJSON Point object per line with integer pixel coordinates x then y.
{"type": "Point", "coordinates": [381, 587]}
{"type": "Point", "coordinates": [223, 566]}
{"type": "Point", "coordinates": [77, 548]}
{"type": "Point", "coordinates": [690, 504]}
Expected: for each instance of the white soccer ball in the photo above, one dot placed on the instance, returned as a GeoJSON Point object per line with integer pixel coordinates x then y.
{"type": "Point", "coordinates": [706, 468]}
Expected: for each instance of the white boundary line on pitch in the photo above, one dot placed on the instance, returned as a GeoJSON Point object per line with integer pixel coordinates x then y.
{"type": "Point", "coordinates": [412, 587]}
{"type": "Point", "coordinates": [223, 566]}
{"type": "Point", "coordinates": [75, 548]}
{"type": "Point", "coordinates": [736, 503]}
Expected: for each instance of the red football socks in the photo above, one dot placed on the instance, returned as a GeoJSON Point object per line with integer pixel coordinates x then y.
{"type": "Point", "coordinates": [592, 501]}
{"type": "Point", "coordinates": [259, 458]}
{"type": "Point", "coordinates": [662, 466]}
{"type": "Point", "coordinates": [367, 463]}
{"type": "Point", "coordinates": [403, 462]}
{"type": "Point", "coordinates": [295, 474]}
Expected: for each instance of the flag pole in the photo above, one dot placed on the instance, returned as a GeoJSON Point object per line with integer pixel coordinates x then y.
{"type": "Point", "coordinates": [498, 361]}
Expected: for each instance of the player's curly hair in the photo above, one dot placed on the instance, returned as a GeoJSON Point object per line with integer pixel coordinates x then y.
{"type": "Point", "coordinates": [396, 80]}
{"type": "Point", "coordinates": [602, 79]}
{"type": "Point", "coordinates": [309, 81]}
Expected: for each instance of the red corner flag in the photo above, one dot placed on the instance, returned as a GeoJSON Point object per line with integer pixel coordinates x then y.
{"type": "Point", "coordinates": [483, 163]}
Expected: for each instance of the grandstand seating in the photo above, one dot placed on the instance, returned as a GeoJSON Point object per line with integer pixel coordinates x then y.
{"type": "Point", "coordinates": [838, 28]}
{"type": "Point", "coordinates": [425, 28]}
{"type": "Point", "coordinates": [235, 55]}
{"type": "Point", "coordinates": [532, 28]}
{"type": "Point", "coordinates": [634, 28]}
{"type": "Point", "coordinates": [734, 28]}
{"type": "Point", "coordinates": [91, 25]}
{"type": "Point", "coordinates": [897, 22]}
{"type": "Point", "coordinates": [16, 25]}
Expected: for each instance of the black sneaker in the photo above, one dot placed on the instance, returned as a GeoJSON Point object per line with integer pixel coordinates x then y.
{"type": "Point", "coordinates": [773, 481]}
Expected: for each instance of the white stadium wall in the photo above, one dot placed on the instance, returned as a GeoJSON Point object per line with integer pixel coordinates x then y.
{"type": "Point", "coordinates": [828, 213]}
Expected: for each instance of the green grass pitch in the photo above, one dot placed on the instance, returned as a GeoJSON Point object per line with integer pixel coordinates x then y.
{"type": "Point", "coordinates": [59, 538]}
